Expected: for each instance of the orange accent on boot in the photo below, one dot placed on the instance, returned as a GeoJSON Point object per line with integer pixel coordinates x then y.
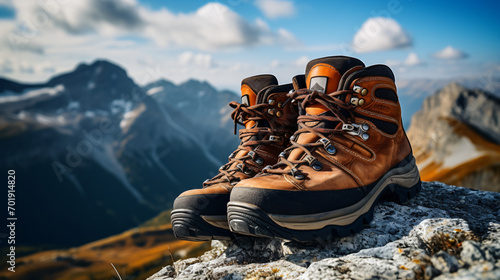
{"type": "Point", "coordinates": [247, 92]}
{"type": "Point", "coordinates": [315, 109]}
{"type": "Point", "coordinates": [321, 77]}
{"type": "Point", "coordinates": [252, 96]}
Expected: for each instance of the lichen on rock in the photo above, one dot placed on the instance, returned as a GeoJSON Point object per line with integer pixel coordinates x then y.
{"type": "Point", "coordinates": [445, 232]}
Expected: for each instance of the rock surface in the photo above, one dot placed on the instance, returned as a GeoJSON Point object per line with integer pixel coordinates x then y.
{"type": "Point", "coordinates": [445, 232]}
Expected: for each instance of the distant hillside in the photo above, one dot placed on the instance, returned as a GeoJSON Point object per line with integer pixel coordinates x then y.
{"type": "Point", "coordinates": [136, 254]}
{"type": "Point", "coordinates": [413, 92]}
{"type": "Point", "coordinates": [205, 108]}
{"type": "Point", "coordinates": [456, 138]}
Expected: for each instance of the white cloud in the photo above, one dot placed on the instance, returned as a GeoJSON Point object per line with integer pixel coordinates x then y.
{"type": "Point", "coordinates": [177, 46]}
{"type": "Point", "coordinates": [18, 38]}
{"type": "Point", "coordinates": [378, 34]}
{"type": "Point", "coordinates": [276, 8]}
{"type": "Point", "coordinates": [103, 16]}
{"type": "Point", "coordinates": [199, 59]}
{"type": "Point", "coordinates": [412, 60]}
{"type": "Point", "coordinates": [182, 45]}
{"type": "Point", "coordinates": [213, 26]}
{"type": "Point", "coordinates": [450, 53]}
{"type": "Point", "coordinates": [275, 63]}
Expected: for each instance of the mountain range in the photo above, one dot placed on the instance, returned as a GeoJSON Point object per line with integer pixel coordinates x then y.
{"type": "Point", "coordinates": [96, 154]}
{"type": "Point", "coordinates": [412, 93]}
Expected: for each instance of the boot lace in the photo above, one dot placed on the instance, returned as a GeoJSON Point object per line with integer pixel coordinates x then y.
{"type": "Point", "coordinates": [250, 139]}
{"type": "Point", "coordinates": [342, 112]}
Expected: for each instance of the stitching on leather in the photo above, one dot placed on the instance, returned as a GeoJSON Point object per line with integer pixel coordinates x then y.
{"type": "Point", "coordinates": [292, 181]}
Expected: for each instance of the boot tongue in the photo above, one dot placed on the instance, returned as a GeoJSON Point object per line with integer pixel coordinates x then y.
{"type": "Point", "coordinates": [250, 87]}
{"type": "Point", "coordinates": [324, 75]}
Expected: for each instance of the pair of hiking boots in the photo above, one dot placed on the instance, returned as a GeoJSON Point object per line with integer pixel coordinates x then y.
{"type": "Point", "coordinates": [315, 157]}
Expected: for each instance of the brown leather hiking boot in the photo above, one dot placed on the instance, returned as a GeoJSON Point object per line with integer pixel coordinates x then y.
{"type": "Point", "coordinates": [200, 214]}
{"type": "Point", "coordinates": [349, 151]}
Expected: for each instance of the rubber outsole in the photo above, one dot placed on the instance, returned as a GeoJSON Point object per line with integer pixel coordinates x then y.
{"type": "Point", "coordinates": [189, 225]}
{"type": "Point", "coordinates": [250, 220]}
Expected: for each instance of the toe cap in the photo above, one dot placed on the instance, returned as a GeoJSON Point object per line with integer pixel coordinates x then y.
{"type": "Point", "coordinates": [206, 201]}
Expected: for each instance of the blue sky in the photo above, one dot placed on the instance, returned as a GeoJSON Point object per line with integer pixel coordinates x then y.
{"type": "Point", "coordinates": [225, 41]}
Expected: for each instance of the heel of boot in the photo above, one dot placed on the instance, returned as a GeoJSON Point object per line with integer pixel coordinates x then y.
{"type": "Point", "coordinates": [188, 225]}
{"type": "Point", "coordinates": [404, 183]}
{"type": "Point", "coordinates": [401, 195]}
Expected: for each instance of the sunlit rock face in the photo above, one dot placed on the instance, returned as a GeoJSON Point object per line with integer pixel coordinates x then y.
{"type": "Point", "coordinates": [456, 138]}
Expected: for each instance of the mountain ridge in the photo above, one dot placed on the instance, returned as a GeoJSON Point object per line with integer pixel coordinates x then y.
{"type": "Point", "coordinates": [69, 135]}
{"type": "Point", "coordinates": [456, 137]}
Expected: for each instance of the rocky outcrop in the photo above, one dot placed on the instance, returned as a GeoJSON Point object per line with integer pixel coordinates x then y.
{"type": "Point", "coordinates": [456, 138]}
{"type": "Point", "coordinates": [445, 232]}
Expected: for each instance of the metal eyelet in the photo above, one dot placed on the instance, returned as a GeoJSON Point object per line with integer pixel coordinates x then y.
{"type": "Point", "coordinates": [251, 154]}
{"type": "Point", "coordinates": [280, 105]}
{"type": "Point", "coordinates": [279, 114]}
{"type": "Point", "coordinates": [297, 174]}
{"type": "Point", "coordinates": [328, 146]}
{"type": "Point", "coordinates": [292, 137]}
{"type": "Point", "coordinates": [275, 138]}
{"type": "Point", "coordinates": [259, 161]}
{"type": "Point", "coordinates": [357, 130]}
{"type": "Point", "coordinates": [271, 111]}
{"type": "Point", "coordinates": [356, 88]}
{"type": "Point", "coordinates": [282, 154]}
{"type": "Point", "coordinates": [361, 102]}
{"type": "Point", "coordinates": [355, 101]}
{"type": "Point", "coordinates": [330, 149]}
{"type": "Point", "coordinates": [272, 101]}
{"type": "Point", "coordinates": [248, 171]}
{"type": "Point", "coordinates": [364, 92]}
{"type": "Point", "coordinates": [317, 166]}
{"type": "Point", "coordinates": [240, 166]}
